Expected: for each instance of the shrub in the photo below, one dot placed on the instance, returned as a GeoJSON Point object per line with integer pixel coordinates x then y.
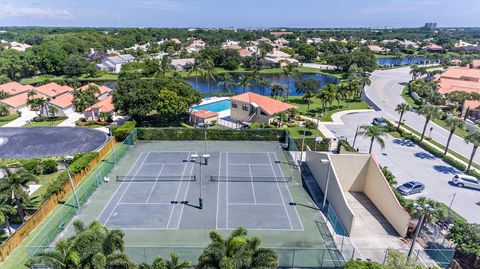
{"type": "Point", "coordinates": [388, 175]}
{"type": "Point", "coordinates": [49, 166]}
{"type": "Point", "coordinates": [354, 264]}
{"type": "Point", "coordinates": [32, 166]}
{"type": "Point", "coordinates": [121, 132]}
{"type": "Point", "coordinates": [344, 143]}
{"type": "Point", "coordinates": [174, 133]}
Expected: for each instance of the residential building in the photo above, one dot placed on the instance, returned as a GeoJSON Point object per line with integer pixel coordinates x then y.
{"type": "Point", "coordinates": [183, 64]}
{"type": "Point", "coordinates": [229, 44]}
{"type": "Point", "coordinates": [378, 50]}
{"type": "Point", "coordinates": [18, 102]}
{"type": "Point", "coordinates": [143, 47]}
{"type": "Point", "coordinates": [278, 58]}
{"type": "Point", "coordinates": [433, 48]}
{"type": "Point", "coordinates": [251, 107]}
{"type": "Point", "coordinates": [113, 64]}
{"type": "Point", "coordinates": [280, 43]}
{"type": "Point", "coordinates": [104, 90]}
{"type": "Point", "coordinates": [14, 88]}
{"type": "Point", "coordinates": [176, 41]}
{"type": "Point", "coordinates": [459, 79]}
{"type": "Point", "coordinates": [15, 45]}
{"type": "Point", "coordinates": [475, 64]}
{"type": "Point", "coordinates": [103, 106]}
{"type": "Point", "coordinates": [63, 104]}
{"type": "Point", "coordinates": [245, 53]}
{"type": "Point", "coordinates": [52, 90]}
{"type": "Point", "coordinates": [280, 33]}
{"type": "Point", "coordinates": [202, 117]}
{"type": "Point", "coordinates": [472, 109]}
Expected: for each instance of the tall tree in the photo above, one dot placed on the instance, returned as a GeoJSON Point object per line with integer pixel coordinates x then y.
{"type": "Point", "coordinates": [430, 112]}
{"type": "Point", "coordinates": [401, 109]}
{"type": "Point", "coordinates": [6, 210]}
{"type": "Point", "coordinates": [276, 90]}
{"type": "Point", "coordinates": [453, 124]}
{"type": "Point", "coordinates": [473, 138]}
{"type": "Point", "coordinates": [15, 183]}
{"type": "Point", "coordinates": [226, 82]}
{"type": "Point", "coordinates": [309, 88]}
{"type": "Point", "coordinates": [207, 72]}
{"type": "Point", "coordinates": [375, 133]}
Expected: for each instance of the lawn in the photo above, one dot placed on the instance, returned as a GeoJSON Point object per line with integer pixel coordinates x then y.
{"type": "Point", "coordinates": [6, 119]}
{"type": "Point", "coordinates": [37, 197]}
{"type": "Point", "coordinates": [43, 78]}
{"type": "Point", "coordinates": [315, 109]}
{"type": "Point", "coordinates": [43, 123]}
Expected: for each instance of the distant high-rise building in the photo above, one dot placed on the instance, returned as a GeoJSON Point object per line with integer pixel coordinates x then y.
{"type": "Point", "coordinates": [430, 25]}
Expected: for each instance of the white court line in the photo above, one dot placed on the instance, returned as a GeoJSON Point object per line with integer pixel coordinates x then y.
{"type": "Point", "coordinates": [118, 188]}
{"type": "Point", "coordinates": [248, 164]}
{"type": "Point", "coordinates": [288, 190]}
{"type": "Point", "coordinates": [218, 189]}
{"type": "Point", "coordinates": [128, 186]}
{"type": "Point", "coordinates": [253, 187]}
{"type": "Point", "coordinates": [155, 184]}
{"type": "Point", "coordinates": [256, 204]}
{"type": "Point", "coordinates": [178, 189]}
{"type": "Point", "coordinates": [280, 191]}
{"type": "Point", "coordinates": [260, 229]}
{"type": "Point", "coordinates": [185, 198]}
{"type": "Point", "coordinates": [226, 191]}
{"type": "Point", "coordinates": [144, 203]}
{"type": "Point", "coordinates": [163, 163]}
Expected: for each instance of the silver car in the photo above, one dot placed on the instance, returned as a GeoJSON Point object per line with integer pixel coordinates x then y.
{"type": "Point", "coordinates": [466, 181]}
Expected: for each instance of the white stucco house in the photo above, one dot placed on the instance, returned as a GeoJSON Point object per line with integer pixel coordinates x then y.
{"type": "Point", "coordinates": [114, 64]}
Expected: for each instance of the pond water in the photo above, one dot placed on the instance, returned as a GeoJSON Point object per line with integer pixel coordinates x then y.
{"type": "Point", "coordinates": [389, 61]}
{"type": "Point", "coordinates": [204, 88]}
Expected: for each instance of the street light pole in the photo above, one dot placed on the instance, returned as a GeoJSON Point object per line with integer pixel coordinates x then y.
{"type": "Point", "coordinates": [69, 158]}
{"type": "Point", "coordinates": [424, 211]}
{"type": "Point", "coordinates": [303, 143]}
{"type": "Point", "coordinates": [327, 162]}
{"type": "Point", "coordinates": [113, 143]}
{"type": "Point", "coordinates": [205, 131]}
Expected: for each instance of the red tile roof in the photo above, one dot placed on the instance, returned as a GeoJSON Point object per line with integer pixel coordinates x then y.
{"type": "Point", "coordinates": [105, 105]}
{"type": "Point", "coordinates": [204, 114]}
{"type": "Point", "coordinates": [269, 105]}
{"type": "Point", "coordinates": [447, 85]}
{"type": "Point", "coordinates": [103, 89]}
{"type": "Point", "coordinates": [19, 100]}
{"type": "Point", "coordinates": [14, 88]}
{"type": "Point", "coordinates": [472, 104]}
{"type": "Point", "coordinates": [52, 89]}
{"type": "Point", "coordinates": [244, 52]}
{"type": "Point", "coordinates": [462, 73]}
{"type": "Point", "coordinates": [63, 101]}
{"type": "Point", "coordinates": [433, 47]}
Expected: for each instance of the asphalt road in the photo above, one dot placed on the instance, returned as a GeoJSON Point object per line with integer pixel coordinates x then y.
{"type": "Point", "coordinates": [408, 162]}
{"type": "Point", "coordinates": [385, 91]}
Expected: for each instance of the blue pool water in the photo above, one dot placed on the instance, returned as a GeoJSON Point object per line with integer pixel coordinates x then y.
{"type": "Point", "coordinates": [215, 106]}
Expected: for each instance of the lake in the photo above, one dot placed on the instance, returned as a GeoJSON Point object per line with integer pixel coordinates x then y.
{"type": "Point", "coordinates": [202, 85]}
{"type": "Point", "coordinates": [389, 61]}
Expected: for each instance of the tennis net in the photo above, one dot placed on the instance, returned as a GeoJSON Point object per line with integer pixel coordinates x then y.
{"type": "Point", "coordinates": [250, 179]}
{"type": "Point", "coordinates": [154, 178]}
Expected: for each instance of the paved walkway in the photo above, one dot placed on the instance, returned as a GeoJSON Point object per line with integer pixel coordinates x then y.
{"type": "Point", "coordinates": [26, 116]}
{"type": "Point", "coordinates": [72, 118]}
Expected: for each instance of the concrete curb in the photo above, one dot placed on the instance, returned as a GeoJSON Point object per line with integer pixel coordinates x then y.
{"type": "Point", "coordinates": [336, 118]}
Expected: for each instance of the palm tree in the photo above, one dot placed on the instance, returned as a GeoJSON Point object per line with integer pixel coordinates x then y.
{"type": "Point", "coordinates": [174, 262]}
{"type": "Point", "coordinates": [375, 133]}
{"type": "Point", "coordinates": [6, 209]}
{"type": "Point", "coordinates": [207, 72]}
{"type": "Point", "coordinates": [16, 184]}
{"type": "Point", "coordinates": [195, 68]}
{"type": "Point", "coordinates": [165, 65]}
{"type": "Point", "coordinates": [329, 93]}
{"type": "Point", "coordinates": [430, 112]}
{"type": "Point", "coordinates": [52, 110]}
{"type": "Point", "coordinates": [61, 257]}
{"type": "Point", "coordinates": [453, 124]}
{"type": "Point", "coordinates": [401, 109]}
{"type": "Point", "coordinates": [244, 82]}
{"type": "Point", "coordinates": [238, 251]}
{"type": "Point", "coordinates": [474, 138]}
{"type": "Point", "coordinates": [414, 71]}
{"type": "Point", "coordinates": [276, 90]}
{"type": "Point", "coordinates": [226, 81]}
{"type": "Point", "coordinates": [4, 110]}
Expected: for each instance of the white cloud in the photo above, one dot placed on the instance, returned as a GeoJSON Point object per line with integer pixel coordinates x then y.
{"type": "Point", "coordinates": [166, 5]}
{"type": "Point", "coordinates": [9, 10]}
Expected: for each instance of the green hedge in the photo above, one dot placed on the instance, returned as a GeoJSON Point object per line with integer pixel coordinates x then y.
{"type": "Point", "coordinates": [344, 143]}
{"type": "Point", "coordinates": [121, 132]}
{"type": "Point", "coordinates": [79, 162]}
{"type": "Point", "coordinates": [212, 134]}
{"type": "Point", "coordinates": [324, 145]}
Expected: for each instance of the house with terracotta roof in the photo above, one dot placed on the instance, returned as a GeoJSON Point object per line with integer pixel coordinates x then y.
{"type": "Point", "coordinates": [63, 104]}
{"type": "Point", "coordinates": [472, 109]}
{"type": "Point", "coordinates": [104, 90]}
{"type": "Point", "coordinates": [251, 107]}
{"type": "Point", "coordinates": [14, 88]}
{"type": "Point", "coordinates": [103, 106]}
{"type": "Point", "coordinates": [202, 117]}
{"type": "Point", "coordinates": [378, 50]}
{"type": "Point", "coordinates": [433, 48]}
{"type": "Point", "coordinates": [52, 89]}
{"type": "Point", "coordinates": [18, 102]}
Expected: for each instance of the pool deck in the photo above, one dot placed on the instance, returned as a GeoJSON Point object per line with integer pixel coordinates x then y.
{"type": "Point", "coordinates": [221, 114]}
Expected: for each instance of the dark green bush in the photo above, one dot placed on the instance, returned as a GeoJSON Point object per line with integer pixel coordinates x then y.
{"type": "Point", "coordinates": [324, 145]}
{"type": "Point", "coordinates": [344, 143]}
{"type": "Point", "coordinates": [121, 132]}
{"type": "Point", "coordinates": [212, 134]}
{"type": "Point", "coordinates": [355, 264]}
{"type": "Point", "coordinates": [33, 166]}
{"type": "Point", "coordinates": [49, 166]}
{"type": "Point", "coordinates": [79, 162]}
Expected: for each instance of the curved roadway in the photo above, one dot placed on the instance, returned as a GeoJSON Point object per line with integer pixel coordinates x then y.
{"type": "Point", "coordinates": [37, 142]}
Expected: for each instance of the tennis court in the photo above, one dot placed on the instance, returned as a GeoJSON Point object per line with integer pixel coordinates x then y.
{"type": "Point", "coordinates": [162, 191]}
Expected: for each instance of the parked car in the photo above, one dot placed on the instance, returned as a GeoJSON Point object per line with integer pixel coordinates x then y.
{"type": "Point", "coordinates": [466, 181]}
{"type": "Point", "coordinates": [411, 187]}
{"type": "Point", "coordinates": [379, 121]}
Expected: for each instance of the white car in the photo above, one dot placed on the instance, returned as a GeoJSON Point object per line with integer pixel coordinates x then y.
{"type": "Point", "coordinates": [466, 181]}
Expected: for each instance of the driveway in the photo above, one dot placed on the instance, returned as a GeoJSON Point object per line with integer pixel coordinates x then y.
{"type": "Point", "coordinates": [385, 91]}
{"type": "Point", "coordinates": [37, 142]}
{"type": "Point", "coordinates": [70, 121]}
{"type": "Point", "coordinates": [408, 162]}
{"type": "Point", "coordinates": [26, 116]}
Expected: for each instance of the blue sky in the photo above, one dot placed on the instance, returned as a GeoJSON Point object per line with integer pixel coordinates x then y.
{"type": "Point", "coordinates": [239, 13]}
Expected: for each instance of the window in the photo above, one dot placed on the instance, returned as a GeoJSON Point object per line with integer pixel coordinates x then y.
{"type": "Point", "coordinates": [234, 105]}
{"type": "Point", "coordinates": [245, 107]}
{"type": "Point", "coordinates": [263, 113]}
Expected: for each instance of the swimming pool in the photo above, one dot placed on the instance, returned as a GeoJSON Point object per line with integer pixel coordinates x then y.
{"type": "Point", "coordinates": [215, 106]}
